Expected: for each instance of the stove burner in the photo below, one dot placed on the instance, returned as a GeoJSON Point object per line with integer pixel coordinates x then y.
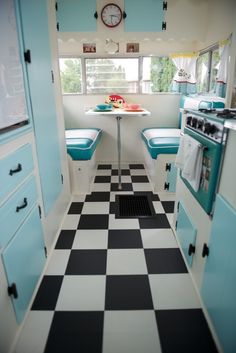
{"type": "Point", "coordinates": [227, 114]}
{"type": "Point", "coordinates": [206, 110]}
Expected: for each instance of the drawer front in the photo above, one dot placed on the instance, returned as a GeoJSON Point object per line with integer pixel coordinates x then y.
{"type": "Point", "coordinates": [15, 209]}
{"type": "Point", "coordinates": [23, 260]}
{"type": "Point", "coordinates": [14, 168]}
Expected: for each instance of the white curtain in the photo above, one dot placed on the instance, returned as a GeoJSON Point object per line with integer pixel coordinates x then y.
{"type": "Point", "coordinates": [184, 80]}
{"type": "Point", "coordinates": [221, 79]}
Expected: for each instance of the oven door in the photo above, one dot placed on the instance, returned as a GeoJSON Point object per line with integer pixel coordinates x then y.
{"type": "Point", "coordinates": [212, 153]}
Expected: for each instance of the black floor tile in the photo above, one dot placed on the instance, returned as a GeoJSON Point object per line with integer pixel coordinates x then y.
{"type": "Point", "coordinates": [90, 221]}
{"type": "Point", "coordinates": [98, 196]}
{"type": "Point", "coordinates": [73, 331]}
{"type": "Point", "coordinates": [65, 239]}
{"type": "Point", "coordinates": [158, 221]}
{"type": "Point", "coordinates": [153, 197]}
{"type": "Point", "coordinates": [113, 208]}
{"type": "Point", "coordinates": [128, 293]}
{"type": "Point", "coordinates": [139, 179]}
{"type": "Point", "coordinates": [46, 297]}
{"type": "Point", "coordinates": [123, 172]}
{"type": "Point", "coordinates": [136, 166]}
{"type": "Point", "coordinates": [168, 206]}
{"type": "Point", "coordinates": [87, 262]}
{"type": "Point", "coordinates": [75, 208]}
{"type": "Point", "coordinates": [124, 239]}
{"type": "Point", "coordinates": [125, 186]}
{"type": "Point", "coordinates": [104, 166]}
{"type": "Point", "coordinates": [102, 179]}
{"type": "Point", "coordinates": [184, 331]}
{"type": "Point", "coordinates": [164, 261]}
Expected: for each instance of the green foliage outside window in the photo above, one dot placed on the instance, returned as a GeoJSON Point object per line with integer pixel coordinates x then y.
{"type": "Point", "coordinates": [161, 75]}
{"type": "Point", "coordinates": [70, 70]}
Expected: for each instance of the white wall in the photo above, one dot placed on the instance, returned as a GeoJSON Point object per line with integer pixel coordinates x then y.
{"type": "Point", "coordinates": [164, 113]}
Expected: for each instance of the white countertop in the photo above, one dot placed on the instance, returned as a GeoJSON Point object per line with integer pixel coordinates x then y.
{"type": "Point", "coordinates": [119, 112]}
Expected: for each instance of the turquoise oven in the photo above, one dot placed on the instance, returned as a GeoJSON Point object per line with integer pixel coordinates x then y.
{"type": "Point", "coordinates": [208, 130]}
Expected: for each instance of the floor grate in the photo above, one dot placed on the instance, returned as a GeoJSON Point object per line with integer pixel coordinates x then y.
{"type": "Point", "coordinates": [134, 206]}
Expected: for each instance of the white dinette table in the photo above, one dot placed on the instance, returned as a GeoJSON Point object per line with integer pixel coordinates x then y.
{"type": "Point", "coordinates": [119, 114]}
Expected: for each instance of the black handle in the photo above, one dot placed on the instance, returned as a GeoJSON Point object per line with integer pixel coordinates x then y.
{"type": "Point", "coordinates": [205, 250]}
{"type": "Point", "coordinates": [124, 14]}
{"type": "Point", "coordinates": [25, 203]}
{"type": "Point", "coordinates": [96, 15]}
{"type": "Point", "coordinates": [166, 186]}
{"type": "Point", "coordinates": [17, 170]}
{"type": "Point", "coordinates": [12, 290]}
{"type": "Point", "coordinates": [191, 249]}
{"type": "Point", "coordinates": [168, 167]}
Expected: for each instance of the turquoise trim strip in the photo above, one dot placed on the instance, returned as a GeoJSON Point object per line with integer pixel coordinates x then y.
{"type": "Point", "coordinates": [85, 148]}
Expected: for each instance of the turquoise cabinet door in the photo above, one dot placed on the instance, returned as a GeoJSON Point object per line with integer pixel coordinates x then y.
{"type": "Point", "coordinates": [186, 233]}
{"type": "Point", "coordinates": [143, 16]}
{"type": "Point", "coordinates": [171, 177]}
{"type": "Point", "coordinates": [219, 281]}
{"type": "Point", "coordinates": [23, 260]}
{"type": "Point", "coordinates": [36, 39]}
{"type": "Point", "coordinates": [76, 15]}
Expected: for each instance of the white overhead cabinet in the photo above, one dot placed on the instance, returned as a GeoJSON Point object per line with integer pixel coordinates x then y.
{"type": "Point", "coordinates": [76, 15]}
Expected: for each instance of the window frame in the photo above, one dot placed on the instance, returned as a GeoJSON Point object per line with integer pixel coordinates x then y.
{"type": "Point", "coordinates": [140, 73]}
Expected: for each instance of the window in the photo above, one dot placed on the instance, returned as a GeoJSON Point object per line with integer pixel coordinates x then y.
{"type": "Point", "coordinates": [71, 75]}
{"type": "Point", "coordinates": [207, 69]}
{"type": "Point", "coordinates": [158, 73]}
{"type": "Point", "coordinates": [116, 75]}
{"type": "Point", "coordinates": [111, 75]}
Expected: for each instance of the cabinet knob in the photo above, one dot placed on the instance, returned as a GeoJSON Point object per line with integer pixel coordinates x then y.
{"type": "Point", "coordinates": [191, 249]}
{"type": "Point", "coordinates": [205, 250]}
{"type": "Point", "coordinates": [25, 204]}
{"type": "Point", "coordinates": [17, 170]}
{"type": "Point", "coordinates": [12, 290]}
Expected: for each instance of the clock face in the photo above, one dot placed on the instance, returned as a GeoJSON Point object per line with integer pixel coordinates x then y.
{"type": "Point", "coordinates": [111, 15]}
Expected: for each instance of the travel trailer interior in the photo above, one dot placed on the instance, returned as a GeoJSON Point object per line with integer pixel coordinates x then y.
{"type": "Point", "coordinates": [117, 196]}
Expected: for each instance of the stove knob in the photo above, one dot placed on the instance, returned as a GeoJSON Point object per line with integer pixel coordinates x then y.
{"type": "Point", "coordinates": [200, 124]}
{"type": "Point", "coordinates": [188, 120]}
{"type": "Point", "coordinates": [194, 122]}
{"type": "Point", "coordinates": [213, 129]}
{"type": "Point", "coordinates": [207, 128]}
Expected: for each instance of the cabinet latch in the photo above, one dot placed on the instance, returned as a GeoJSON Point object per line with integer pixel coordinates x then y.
{"type": "Point", "coordinates": [27, 56]}
{"type": "Point", "coordinates": [164, 5]}
{"type": "Point", "coordinates": [168, 167]}
{"type": "Point", "coordinates": [163, 26]}
{"type": "Point", "coordinates": [205, 250]}
{"type": "Point", "coordinates": [166, 186]}
{"type": "Point", "coordinates": [12, 290]}
{"type": "Point", "coordinates": [45, 252]}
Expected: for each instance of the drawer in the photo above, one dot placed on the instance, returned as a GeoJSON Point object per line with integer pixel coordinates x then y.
{"type": "Point", "coordinates": [15, 209]}
{"type": "Point", "coordinates": [14, 168]}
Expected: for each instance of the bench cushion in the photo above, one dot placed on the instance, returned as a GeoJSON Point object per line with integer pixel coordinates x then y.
{"type": "Point", "coordinates": [161, 141]}
{"type": "Point", "coordinates": [81, 143]}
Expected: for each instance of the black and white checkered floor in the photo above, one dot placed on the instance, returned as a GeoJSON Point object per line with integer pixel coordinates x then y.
{"type": "Point", "coordinates": [116, 285]}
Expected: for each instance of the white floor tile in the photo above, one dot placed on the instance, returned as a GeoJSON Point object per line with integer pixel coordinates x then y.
{"type": "Point", "coordinates": [158, 238]}
{"type": "Point", "coordinates": [124, 179]}
{"type": "Point", "coordinates": [78, 198]}
{"type": "Point", "coordinates": [170, 217]}
{"type": "Point", "coordinates": [122, 165]}
{"type": "Point", "coordinates": [114, 193]}
{"type": "Point", "coordinates": [82, 293]}
{"type": "Point", "coordinates": [104, 172]}
{"type": "Point", "coordinates": [122, 223]}
{"type": "Point", "coordinates": [138, 172]}
{"type": "Point", "coordinates": [34, 334]}
{"type": "Point", "coordinates": [142, 187]}
{"type": "Point", "coordinates": [90, 239]}
{"type": "Point", "coordinates": [126, 261]}
{"type": "Point", "coordinates": [173, 291]}
{"type": "Point", "coordinates": [130, 332]}
{"type": "Point", "coordinates": [101, 187]}
{"type": "Point", "coordinates": [95, 208]}
{"type": "Point", "coordinates": [71, 221]}
{"type": "Point", "coordinates": [58, 262]}
{"type": "Point", "coordinates": [158, 207]}
{"type": "Point", "coordinates": [165, 196]}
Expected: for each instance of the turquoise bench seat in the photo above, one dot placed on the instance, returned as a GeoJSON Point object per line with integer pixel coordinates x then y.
{"type": "Point", "coordinates": [81, 143]}
{"type": "Point", "coordinates": [161, 141]}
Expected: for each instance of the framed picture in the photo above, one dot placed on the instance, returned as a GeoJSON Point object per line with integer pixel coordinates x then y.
{"type": "Point", "coordinates": [89, 48]}
{"type": "Point", "coordinates": [132, 47]}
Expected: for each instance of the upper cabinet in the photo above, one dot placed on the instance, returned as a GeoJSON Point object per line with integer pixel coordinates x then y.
{"type": "Point", "coordinates": [76, 15]}
{"type": "Point", "coordinates": [144, 16]}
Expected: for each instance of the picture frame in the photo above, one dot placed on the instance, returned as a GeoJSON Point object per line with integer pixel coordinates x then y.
{"type": "Point", "coordinates": [132, 48]}
{"type": "Point", "coordinates": [89, 47]}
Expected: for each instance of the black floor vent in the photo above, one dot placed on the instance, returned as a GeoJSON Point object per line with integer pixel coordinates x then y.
{"type": "Point", "coordinates": [134, 206]}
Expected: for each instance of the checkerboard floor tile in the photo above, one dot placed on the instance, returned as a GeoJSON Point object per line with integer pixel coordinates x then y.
{"type": "Point", "coordinates": [116, 285]}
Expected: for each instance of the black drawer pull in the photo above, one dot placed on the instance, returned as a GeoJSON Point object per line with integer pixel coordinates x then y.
{"type": "Point", "coordinates": [25, 203]}
{"type": "Point", "coordinates": [191, 249]}
{"type": "Point", "coordinates": [17, 170]}
{"type": "Point", "coordinates": [12, 290]}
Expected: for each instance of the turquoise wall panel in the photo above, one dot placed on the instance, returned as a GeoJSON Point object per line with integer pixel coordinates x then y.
{"type": "Point", "coordinates": [219, 282]}
{"type": "Point", "coordinates": [23, 260]}
{"type": "Point", "coordinates": [77, 15]}
{"type": "Point", "coordinates": [186, 232]}
{"type": "Point", "coordinates": [144, 16]}
{"type": "Point", "coordinates": [36, 38]}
